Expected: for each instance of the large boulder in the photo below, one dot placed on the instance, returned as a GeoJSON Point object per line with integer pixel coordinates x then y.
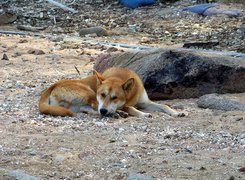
{"type": "Point", "coordinates": [169, 74]}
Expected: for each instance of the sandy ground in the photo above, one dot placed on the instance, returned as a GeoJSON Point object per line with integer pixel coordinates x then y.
{"type": "Point", "coordinates": [207, 144]}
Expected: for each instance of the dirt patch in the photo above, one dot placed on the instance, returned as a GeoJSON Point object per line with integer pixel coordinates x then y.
{"type": "Point", "coordinates": [205, 144]}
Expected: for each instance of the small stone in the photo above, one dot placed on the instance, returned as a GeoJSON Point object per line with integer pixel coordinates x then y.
{"type": "Point", "coordinates": [23, 41]}
{"type": "Point", "coordinates": [177, 151]}
{"type": "Point", "coordinates": [58, 159]}
{"type": "Point", "coordinates": [111, 49]}
{"type": "Point", "coordinates": [132, 27]}
{"type": "Point", "coordinates": [239, 118]}
{"type": "Point", "coordinates": [16, 54]}
{"type": "Point", "coordinates": [120, 130]}
{"type": "Point", "coordinates": [112, 140]}
{"type": "Point", "coordinates": [33, 153]}
{"type": "Point", "coordinates": [144, 40]}
{"type": "Point", "coordinates": [242, 169]}
{"type": "Point", "coordinates": [18, 174]}
{"type": "Point", "coordinates": [99, 31]}
{"type": "Point", "coordinates": [35, 51]}
{"type": "Point", "coordinates": [5, 57]}
{"type": "Point", "coordinates": [57, 38]}
{"type": "Point", "coordinates": [139, 177]}
{"type": "Point", "coordinates": [203, 168]}
{"type": "Point", "coordinates": [99, 123]}
{"type": "Point", "coordinates": [188, 149]}
{"type": "Point", "coordinates": [178, 107]}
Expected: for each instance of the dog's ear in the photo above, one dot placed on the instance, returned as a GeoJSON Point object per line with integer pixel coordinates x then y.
{"type": "Point", "coordinates": [99, 77]}
{"type": "Point", "coordinates": [128, 85]}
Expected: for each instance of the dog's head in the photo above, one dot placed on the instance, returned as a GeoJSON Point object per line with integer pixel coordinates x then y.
{"type": "Point", "coordinates": [111, 93]}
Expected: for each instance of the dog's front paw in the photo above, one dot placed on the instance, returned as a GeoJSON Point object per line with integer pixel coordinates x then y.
{"type": "Point", "coordinates": [181, 114]}
{"type": "Point", "coordinates": [114, 115]}
{"type": "Point", "coordinates": [123, 114]}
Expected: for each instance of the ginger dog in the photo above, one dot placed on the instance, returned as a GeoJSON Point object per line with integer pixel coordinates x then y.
{"type": "Point", "coordinates": [116, 90]}
{"type": "Point", "coordinates": [67, 97]}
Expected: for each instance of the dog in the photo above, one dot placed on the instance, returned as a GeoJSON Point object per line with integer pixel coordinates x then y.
{"type": "Point", "coordinates": [66, 97]}
{"type": "Point", "coordinates": [117, 90]}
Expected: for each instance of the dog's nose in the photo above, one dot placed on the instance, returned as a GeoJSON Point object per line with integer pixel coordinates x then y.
{"type": "Point", "coordinates": [103, 111]}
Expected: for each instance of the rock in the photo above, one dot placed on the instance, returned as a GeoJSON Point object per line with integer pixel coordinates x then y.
{"type": "Point", "coordinates": [169, 74]}
{"type": "Point", "coordinates": [56, 38]}
{"type": "Point", "coordinates": [5, 57]}
{"type": "Point", "coordinates": [16, 54]}
{"type": "Point", "coordinates": [139, 177]}
{"type": "Point", "coordinates": [35, 51]}
{"type": "Point", "coordinates": [58, 159]}
{"type": "Point", "coordinates": [23, 41]}
{"type": "Point", "coordinates": [20, 175]}
{"type": "Point", "coordinates": [203, 168]}
{"type": "Point", "coordinates": [99, 31]}
{"type": "Point", "coordinates": [111, 49]}
{"type": "Point", "coordinates": [188, 149]}
{"type": "Point", "coordinates": [7, 18]}
{"type": "Point", "coordinates": [241, 30]}
{"type": "Point", "coordinates": [242, 169]}
{"type": "Point", "coordinates": [221, 102]}
{"type": "Point", "coordinates": [144, 40]}
{"type": "Point", "coordinates": [30, 28]}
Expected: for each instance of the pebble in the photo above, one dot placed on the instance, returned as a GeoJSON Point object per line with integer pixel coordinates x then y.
{"type": "Point", "coordinates": [56, 38]}
{"type": "Point", "coordinates": [5, 57]}
{"type": "Point", "coordinates": [188, 149]}
{"type": "Point", "coordinates": [144, 40]}
{"type": "Point", "coordinates": [139, 177]}
{"type": "Point", "coordinates": [58, 159]}
{"type": "Point", "coordinates": [20, 175]}
{"type": "Point", "coordinates": [33, 153]}
{"type": "Point", "coordinates": [16, 54]}
{"type": "Point", "coordinates": [242, 169]}
{"type": "Point", "coordinates": [99, 31]}
{"type": "Point", "coordinates": [203, 168]}
{"type": "Point", "coordinates": [99, 123]}
{"type": "Point", "coordinates": [23, 41]}
{"type": "Point", "coordinates": [35, 51]}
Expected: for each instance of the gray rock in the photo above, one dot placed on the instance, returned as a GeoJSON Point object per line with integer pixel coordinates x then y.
{"type": "Point", "coordinates": [169, 74]}
{"type": "Point", "coordinates": [20, 175]}
{"type": "Point", "coordinates": [221, 102]}
{"type": "Point", "coordinates": [59, 159]}
{"type": "Point", "coordinates": [5, 57]}
{"type": "Point", "coordinates": [139, 177]}
{"type": "Point", "coordinates": [99, 31]}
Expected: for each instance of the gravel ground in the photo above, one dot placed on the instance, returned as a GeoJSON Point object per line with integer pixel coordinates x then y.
{"type": "Point", "coordinates": [161, 25]}
{"type": "Point", "coordinates": [207, 144]}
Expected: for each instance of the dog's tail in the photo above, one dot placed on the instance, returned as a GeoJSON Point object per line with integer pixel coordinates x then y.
{"type": "Point", "coordinates": [46, 108]}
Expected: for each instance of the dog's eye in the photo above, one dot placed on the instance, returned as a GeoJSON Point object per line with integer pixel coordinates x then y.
{"type": "Point", "coordinates": [114, 97]}
{"type": "Point", "coordinates": [103, 95]}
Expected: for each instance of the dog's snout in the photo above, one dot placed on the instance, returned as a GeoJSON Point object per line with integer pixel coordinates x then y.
{"type": "Point", "coordinates": [103, 111]}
